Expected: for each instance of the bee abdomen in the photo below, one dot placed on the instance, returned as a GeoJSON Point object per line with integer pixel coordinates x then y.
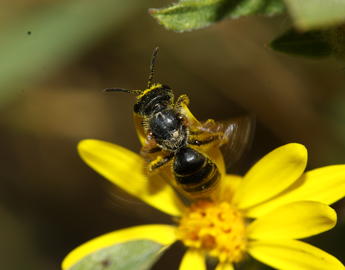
{"type": "Point", "coordinates": [194, 171]}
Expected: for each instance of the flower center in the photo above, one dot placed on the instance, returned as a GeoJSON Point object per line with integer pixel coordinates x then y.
{"type": "Point", "coordinates": [217, 228]}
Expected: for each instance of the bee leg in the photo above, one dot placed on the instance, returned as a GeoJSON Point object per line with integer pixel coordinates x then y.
{"type": "Point", "coordinates": [150, 150]}
{"type": "Point", "coordinates": [196, 131]}
{"type": "Point", "coordinates": [208, 129]}
{"type": "Point", "coordinates": [181, 101]}
{"type": "Point", "coordinates": [145, 125]}
{"type": "Point", "coordinates": [209, 124]}
{"type": "Point", "coordinates": [159, 162]}
{"type": "Point", "coordinates": [215, 137]}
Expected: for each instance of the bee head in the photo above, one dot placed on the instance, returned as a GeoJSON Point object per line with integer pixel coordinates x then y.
{"type": "Point", "coordinates": [155, 98]}
{"type": "Point", "coordinates": [158, 97]}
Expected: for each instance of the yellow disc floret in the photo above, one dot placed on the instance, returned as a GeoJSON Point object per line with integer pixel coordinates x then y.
{"type": "Point", "coordinates": [216, 228]}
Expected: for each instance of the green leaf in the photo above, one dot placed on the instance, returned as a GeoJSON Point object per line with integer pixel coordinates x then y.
{"type": "Point", "coordinates": [194, 14]}
{"type": "Point", "coordinates": [315, 14]}
{"type": "Point", "coordinates": [309, 44]}
{"type": "Point", "coordinates": [133, 255]}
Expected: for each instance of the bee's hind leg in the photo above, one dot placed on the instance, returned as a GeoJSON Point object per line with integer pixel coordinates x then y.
{"type": "Point", "coordinates": [159, 162]}
{"type": "Point", "coordinates": [203, 139]}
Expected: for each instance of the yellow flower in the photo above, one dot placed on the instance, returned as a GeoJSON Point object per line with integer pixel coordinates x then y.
{"type": "Point", "coordinates": [261, 214]}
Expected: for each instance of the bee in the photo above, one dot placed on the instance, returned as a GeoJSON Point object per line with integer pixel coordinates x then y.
{"type": "Point", "coordinates": [179, 146]}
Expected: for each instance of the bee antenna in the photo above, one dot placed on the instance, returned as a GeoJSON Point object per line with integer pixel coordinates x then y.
{"type": "Point", "coordinates": [137, 92]}
{"type": "Point", "coordinates": [152, 66]}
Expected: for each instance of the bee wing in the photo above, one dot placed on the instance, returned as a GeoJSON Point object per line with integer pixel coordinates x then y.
{"type": "Point", "coordinates": [237, 137]}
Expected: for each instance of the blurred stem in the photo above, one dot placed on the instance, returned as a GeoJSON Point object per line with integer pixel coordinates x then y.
{"type": "Point", "coordinates": [53, 36]}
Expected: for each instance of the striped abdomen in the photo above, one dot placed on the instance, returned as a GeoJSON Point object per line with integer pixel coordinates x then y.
{"type": "Point", "coordinates": [194, 172]}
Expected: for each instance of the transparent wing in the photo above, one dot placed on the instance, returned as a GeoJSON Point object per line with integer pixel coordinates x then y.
{"type": "Point", "coordinates": [237, 136]}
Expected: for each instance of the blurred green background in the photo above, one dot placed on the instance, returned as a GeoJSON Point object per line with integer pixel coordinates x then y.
{"type": "Point", "coordinates": [57, 56]}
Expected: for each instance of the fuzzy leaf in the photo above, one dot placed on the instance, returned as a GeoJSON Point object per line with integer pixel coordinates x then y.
{"type": "Point", "coordinates": [309, 44]}
{"type": "Point", "coordinates": [314, 14]}
{"type": "Point", "coordinates": [133, 255]}
{"type": "Point", "coordinates": [194, 14]}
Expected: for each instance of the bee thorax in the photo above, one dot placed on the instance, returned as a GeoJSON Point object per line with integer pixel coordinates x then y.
{"type": "Point", "coordinates": [168, 130]}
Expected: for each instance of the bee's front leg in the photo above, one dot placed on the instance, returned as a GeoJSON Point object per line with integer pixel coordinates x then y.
{"type": "Point", "coordinates": [181, 101]}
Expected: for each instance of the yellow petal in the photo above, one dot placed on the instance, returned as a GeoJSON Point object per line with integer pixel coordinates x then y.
{"type": "Point", "coordinates": [294, 220]}
{"type": "Point", "coordinates": [193, 259]}
{"type": "Point", "coordinates": [293, 254]}
{"type": "Point", "coordinates": [162, 234]}
{"type": "Point", "coordinates": [126, 170]}
{"type": "Point", "coordinates": [228, 186]}
{"type": "Point", "coordinates": [326, 185]}
{"type": "Point", "coordinates": [271, 175]}
{"type": "Point", "coordinates": [225, 266]}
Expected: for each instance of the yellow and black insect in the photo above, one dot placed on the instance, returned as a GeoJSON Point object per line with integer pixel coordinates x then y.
{"type": "Point", "coordinates": [176, 144]}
